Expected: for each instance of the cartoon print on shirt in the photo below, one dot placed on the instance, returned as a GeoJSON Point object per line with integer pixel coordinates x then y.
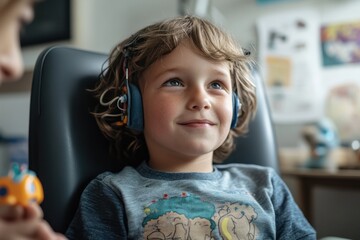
{"type": "Point", "coordinates": [236, 221]}
{"type": "Point", "coordinates": [184, 217]}
{"type": "Point", "coordinates": [189, 217]}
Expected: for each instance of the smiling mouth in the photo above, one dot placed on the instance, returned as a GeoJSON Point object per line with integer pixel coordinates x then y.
{"type": "Point", "coordinates": [197, 123]}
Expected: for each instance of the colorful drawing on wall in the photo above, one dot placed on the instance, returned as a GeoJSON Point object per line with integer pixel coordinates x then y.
{"type": "Point", "coordinates": [279, 71]}
{"type": "Point", "coordinates": [340, 43]}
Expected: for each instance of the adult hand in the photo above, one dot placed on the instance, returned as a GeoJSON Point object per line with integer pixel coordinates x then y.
{"type": "Point", "coordinates": [17, 222]}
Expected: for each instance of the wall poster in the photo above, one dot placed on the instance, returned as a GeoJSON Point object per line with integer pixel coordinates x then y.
{"type": "Point", "coordinates": [340, 43]}
{"type": "Point", "coordinates": [289, 59]}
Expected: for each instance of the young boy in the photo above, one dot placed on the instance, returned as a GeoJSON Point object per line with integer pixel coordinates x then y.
{"type": "Point", "coordinates": [190, 76]}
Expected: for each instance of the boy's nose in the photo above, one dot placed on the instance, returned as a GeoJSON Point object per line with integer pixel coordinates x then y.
{"type": "Point", "coordinates": [199, 100]}
{"type": "Point", "coordinates": [11, 65]}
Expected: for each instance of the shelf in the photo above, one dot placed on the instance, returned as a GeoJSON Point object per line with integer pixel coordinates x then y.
{"type": "Point", "coordinates": [319, 173]}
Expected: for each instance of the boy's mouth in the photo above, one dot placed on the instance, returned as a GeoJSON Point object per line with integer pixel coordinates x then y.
{"type": "Point", "coordinates": [197, 122]}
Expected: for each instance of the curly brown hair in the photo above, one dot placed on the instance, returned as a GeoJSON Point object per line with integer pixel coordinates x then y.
{"type": "Point", "coordinates": [150, 44]}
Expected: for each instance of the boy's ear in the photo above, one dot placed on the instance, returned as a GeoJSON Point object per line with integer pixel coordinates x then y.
{"type": "Point", "coordinates": [236, 109]}
{"type": "Point", "coordinates": [135, 109]}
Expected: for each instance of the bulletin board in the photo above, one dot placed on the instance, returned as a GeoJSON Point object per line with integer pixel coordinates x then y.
{"type": "Point", "coordinates": [290, 64]}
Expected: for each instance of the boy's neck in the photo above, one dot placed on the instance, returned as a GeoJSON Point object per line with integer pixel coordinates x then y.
{"type": "Point", "coordinates": [200, 164]}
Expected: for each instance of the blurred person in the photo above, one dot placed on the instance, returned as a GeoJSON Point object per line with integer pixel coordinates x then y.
{"type": "Point", "coordinates": [18, 222]}
{"type": "Point", "coordinates": [13, 15]}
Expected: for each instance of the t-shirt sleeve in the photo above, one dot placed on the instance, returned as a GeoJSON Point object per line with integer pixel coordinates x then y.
{"type": "Point", "coordinates": [100, 214]}
{"type": "Point", "coordinates": [290, 221]}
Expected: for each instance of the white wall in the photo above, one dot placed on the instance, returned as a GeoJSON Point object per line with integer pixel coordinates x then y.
{"type": "Point", "coordinates": [99, 25]}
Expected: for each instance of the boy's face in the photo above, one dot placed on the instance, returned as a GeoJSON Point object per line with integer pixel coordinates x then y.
{"type": "Point", "coordinates": [13, 13]}
{"type": "Point", "coordinates": [187, 102]}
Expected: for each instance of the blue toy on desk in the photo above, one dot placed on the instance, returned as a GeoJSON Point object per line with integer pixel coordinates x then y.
{"type": "Point", "coordinates": [20, 187]}
{"type": "Point", "coordinates": [321, 138]}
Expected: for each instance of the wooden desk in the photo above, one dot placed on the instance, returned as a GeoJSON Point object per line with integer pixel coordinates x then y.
{"type": "Point", "coordinates": [308, 179]}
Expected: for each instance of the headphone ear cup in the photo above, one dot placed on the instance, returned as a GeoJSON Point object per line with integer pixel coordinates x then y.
{"type": "Point", "coordinates": [236, 109]}
{"type": "Point", "coordinates": [135, 109]}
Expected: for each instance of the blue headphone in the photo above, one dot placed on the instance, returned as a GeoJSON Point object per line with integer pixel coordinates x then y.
{"type": "Point", "coordinates": [134, 110]}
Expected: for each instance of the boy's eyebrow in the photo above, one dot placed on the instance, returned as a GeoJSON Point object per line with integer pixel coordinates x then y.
{"type": "Point", "coordinates": [217, 71]}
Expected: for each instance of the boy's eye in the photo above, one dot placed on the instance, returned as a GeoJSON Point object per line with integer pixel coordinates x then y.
{"type": "Point", "coordinates": [216, 85]}
{"type": "Point", "coordinates": [173, 83]}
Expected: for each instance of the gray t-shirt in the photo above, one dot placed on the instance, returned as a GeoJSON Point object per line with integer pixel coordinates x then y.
{"type": "Point", "coordinates": [235, 201]}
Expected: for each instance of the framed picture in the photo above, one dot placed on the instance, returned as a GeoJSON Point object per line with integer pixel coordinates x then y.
{"type": "Point", "coordinates": [340, 43]}
{"type": "Point", "coordinates": [52, 22]}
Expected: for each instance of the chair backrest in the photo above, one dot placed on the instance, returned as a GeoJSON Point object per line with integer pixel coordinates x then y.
{"type": "Point", "coordinates": [66, 148]}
